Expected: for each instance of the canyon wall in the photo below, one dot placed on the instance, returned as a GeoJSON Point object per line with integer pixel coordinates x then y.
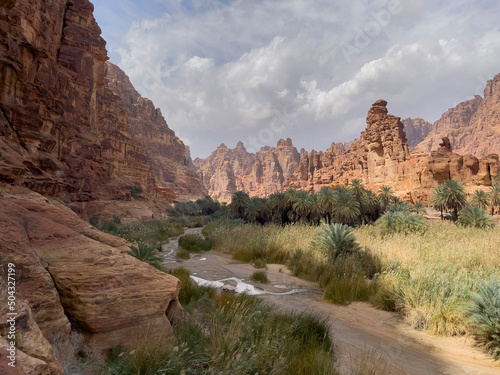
{"type": "Point", "coordinates": [380, 156]}
{"type": "Point", "coordinates": [72, 124]}
{"type": "Point", "coordinates": [67, 132]}
{"type": "Point", "coordinates": [228, 170]}
{"type": "Point", "coordinates": [473, 126]}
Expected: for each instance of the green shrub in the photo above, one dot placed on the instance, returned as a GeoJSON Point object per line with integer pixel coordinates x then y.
{"type": "Point", "coordinates": [195, 243]}
{"type": "Point", "coordinates": [190, 292]}
{"type": "Point", "coordinates": [402, 222]}
{"type": "Point", "coordinates": [336, 240]}
{"type": "Point", "coordinates": [475, 217]}
{"type": "Point", "coordinates": [260, 277]}
{"type": "Point", "coordinates": [183, 254]}
{"type": "Point", "coordinates": [135, 191]}
{"type": "Point", "coordinates": [148, 254]}
{"type": "Point", "coordinates": [484, 315]}
{"type": "Point", "coordinates": [259, 263]}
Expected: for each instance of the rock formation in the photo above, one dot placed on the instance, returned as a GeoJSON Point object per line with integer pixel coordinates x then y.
{"type": "Point", "coordinates": [375, 157]}
{"type": "Point", "coordinates": [163, 151]}
{"type": "Point", "coordinates": [71, 274]}
{"type": "Point", "coordinates": [227, 170]}
{"type": "Point", "coordinates": [379, 157]}
{"type": "Point", "coordinates": [473, 126]}
{"type": "Point", "coordinates": [65, 132]}
{"type": "Point", "coordinates": [71, 124]}
{"type": "Point", "coordinates": [416, 130]}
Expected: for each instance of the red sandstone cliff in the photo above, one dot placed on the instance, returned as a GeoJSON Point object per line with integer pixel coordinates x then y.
{"type": "Point", "coordinates": [73, 125]}
{"type": "Point", "coordinates": [416, 130]}
{"type": "Point", "coordinates": [227, 170]}
{"type": "Point", "coordinates": [164, 152]}
{"type": "Point", "coordinates": [65, 132]}
{"type": "Point", "coordinates": [473, 126]}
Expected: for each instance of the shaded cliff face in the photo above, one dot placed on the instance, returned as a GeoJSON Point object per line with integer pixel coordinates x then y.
{"type": "Point", "coordinates": [51, 68]}
{"type": "Point", "coordinates": [73, 125]}
{"type": "Point", "coordinates": [416, 130]}
{"type": "Point", "coordinates": [473, 126]}
{"type": "Point", "coordinates": [227, 170]}
{"type": "Point", "coordinates": [164, 152]}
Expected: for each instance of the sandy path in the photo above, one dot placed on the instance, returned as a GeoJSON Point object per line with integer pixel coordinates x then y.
{"type": "Point", "coordinates": [362, 334]}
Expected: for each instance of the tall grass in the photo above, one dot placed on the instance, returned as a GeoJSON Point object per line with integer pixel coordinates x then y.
{"type": "Point", "coordinates": [229, 334]}
{"type": "Point", "coordinates": [427, 276]}
{"type": "Point", "coordinates": [151, 232]}
{"type": "Point", "coordinates": [431, 277]}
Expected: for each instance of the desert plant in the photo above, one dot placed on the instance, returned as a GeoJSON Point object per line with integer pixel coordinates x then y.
{"type": "Point", "coordinates": [484, 315]}
{"type": "Point", "coordinates": [418, 208]}
{"type": "Point", "coordinates": [479, 199]}
{"type": "Point", "coordinates": [476, 217]}
{"type": "Point", "coordinates": [345, 207]}
{"type": "Point", "coordinates": [453, 196]}
{"type": "Point", "coordinates": [183, 254]}
{"type": "Point", "coordinates": [494, 197]}
{"type": "Point", "coordinates": [147, 253]}
{"type": "Point", "coordinates": [402, 222]}
{"type": "Point", "coordinates": [385, 196]}
{"type": "Point", "coordinates": [135, 191]}
{"type": "Point", "coordinates": [336, 240]}
{"type": "Point", "coordinates": [195, 243]}
{"type": "Point", "coordinates": [259, 276]}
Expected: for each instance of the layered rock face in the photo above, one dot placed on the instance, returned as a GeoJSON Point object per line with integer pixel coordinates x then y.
{"type": "Point", "coordinates": [227, 170]}
{"type": "Point", "coordinates": [64, 132]}
{"type": "Point", "coordinates": [416, 130]}
{"type": "Point", "coordinates": [473, 126]}
{"type": "Point", "coordinates": [73, 125]}
{"type": "Point", "coordinates": [69, 273]}
{"type": "Point", "coordinates": [162, 149]}
{"type": "Point", "coordinates": [375, 157]}
{"type": "Point", "coordinates": [51, 67]}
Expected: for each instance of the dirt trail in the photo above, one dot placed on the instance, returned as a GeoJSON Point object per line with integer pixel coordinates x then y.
{"type": "Point", "coordinates": [362, 334]}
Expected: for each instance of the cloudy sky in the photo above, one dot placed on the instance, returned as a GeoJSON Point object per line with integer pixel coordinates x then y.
{"type": "Point", "coordinates": [261, 70]}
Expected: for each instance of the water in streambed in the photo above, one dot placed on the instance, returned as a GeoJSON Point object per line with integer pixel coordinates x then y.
{"type": "Point", "coordinates": [241, 287]}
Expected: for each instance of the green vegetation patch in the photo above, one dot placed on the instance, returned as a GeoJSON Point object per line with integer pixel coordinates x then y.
{"type": "Point", "coordinates": [195, 243]}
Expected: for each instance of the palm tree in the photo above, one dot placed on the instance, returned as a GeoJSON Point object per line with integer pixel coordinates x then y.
{"type": "Point", "coordinates": [345, 207]}
{"type": "Point", "coordinates": [476, 217]}
{"type": "Point", "coordinates": [385, 195]}
{"type": "Point", "coordinates": [147, 253]}
{"type": "Point", "coordinates": [454, 196]}
{"type": "Point", "coordinates": [359, 192]}
{"type": "Point", "coordinates": [337, 239]}
{"type": "Point", "coordinates": [290, 200]}
{"type": "Point", "coordinates": [302, 204]}
{"type": "Point", "coordinates": [279, 206]}
{"type": "Point", "coordinates": [239, 203]}
{"type": "Point", "coordinates": [372, 205]}
{"type": "Point", "coordinates": [418, 208]}
{"type": "Point", "coordinates": [326, 199]}
{"type": "Point", "coordinates": [494, 196]}
{"type": "Point", "coordinates": [315, 213]}
{"type": "Point", "coordinates": [437, 200]}
{"type": "Point", "coordinates": [252, 211]}
{"type": "Point", "coordinates": [479, 199]}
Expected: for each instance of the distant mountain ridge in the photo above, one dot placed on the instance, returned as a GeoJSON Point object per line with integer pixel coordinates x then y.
{"type": "Point", "coordinates": [472, 128]}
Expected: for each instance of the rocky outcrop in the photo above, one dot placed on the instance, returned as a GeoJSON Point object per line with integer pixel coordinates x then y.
{"type": "Point", "coordinates": [73, 125]}
{"type": "Point", "coordinates": [51, 68]}
{"type": "Point", "coordinates": [416, 130]}
{"type": "Point", "coordinates": [375, 157]}
{"type": "Point", "coordinates": [162, 149]}
{"type": "Point", "coordinates": [72, 275]}
{"type": "Point", "coordinates": [227, 170]}
{"type": "Point", "coordinates": [381, 157]}
{"type": "Point", "coordinates": [473, 126]}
